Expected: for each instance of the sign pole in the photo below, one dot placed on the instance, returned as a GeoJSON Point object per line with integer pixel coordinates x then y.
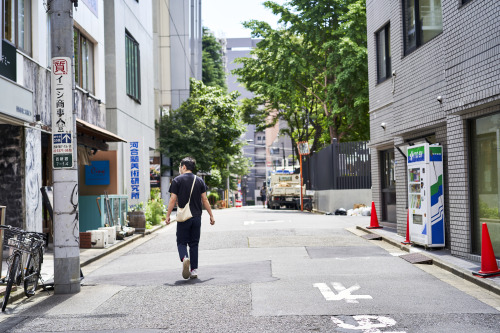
{"type": "Point", "coordinates": [301, 186]}
{"type": "Point", "coordinates": [64, 151]}
{"type": "Point", "coordinates": [303, 148]}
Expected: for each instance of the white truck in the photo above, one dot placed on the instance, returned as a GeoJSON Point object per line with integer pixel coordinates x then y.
{"type": "Point", "coordinates": [284, 190]}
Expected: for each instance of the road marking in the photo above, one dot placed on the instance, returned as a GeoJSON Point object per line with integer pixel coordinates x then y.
{"type": "Point", "coordinates": [266, 221]}
{"type": "Point", "coordinates": [343, 292]}
{"type": "Point", "coordinates": [368, 324]}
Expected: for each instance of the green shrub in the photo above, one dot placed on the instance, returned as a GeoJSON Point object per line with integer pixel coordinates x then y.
{"type": "Point", "coordinates": [155, 209]}
{"type": "Point", "coordinates": [213, 197]}
{"type": "Point", "coordinates": [486, 212]}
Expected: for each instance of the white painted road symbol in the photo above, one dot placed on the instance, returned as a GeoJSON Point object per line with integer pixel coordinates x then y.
{"type": "Point", "coordinates": [368, 324]}
{"type": "Point", "coordinates": [263, 222]}
{"type": "Point", "coordinates": [343, 293]}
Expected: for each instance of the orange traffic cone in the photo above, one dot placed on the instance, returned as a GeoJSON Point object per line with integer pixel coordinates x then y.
{"type": "Point", "coordinates": [374, 219]}
{"type": "Point", "coordinates": [489, 265]}
{"type": "Point", "coordinates": [407, 241]}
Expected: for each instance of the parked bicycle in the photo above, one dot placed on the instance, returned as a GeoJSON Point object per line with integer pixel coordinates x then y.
{"type": "Point", "coordinates": [25, 260]}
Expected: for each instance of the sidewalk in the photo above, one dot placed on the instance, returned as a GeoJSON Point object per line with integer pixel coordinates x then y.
{"type": "Point", "coordinates": [87, 256]}
{"type": "Point", "coordinates": [441, 258]}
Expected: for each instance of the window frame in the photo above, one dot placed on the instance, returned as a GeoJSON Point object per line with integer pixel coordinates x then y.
{"type": "Point", "coordinates": [79, 77]}
{"type": "Point", "coordinates": [133, 73]}
{"type": "Point", "coordinates": [15, 28]}
{"type": "Point", "coordinates": [418, 27]}
{"type": "Point", "coordinates": [386, 29]}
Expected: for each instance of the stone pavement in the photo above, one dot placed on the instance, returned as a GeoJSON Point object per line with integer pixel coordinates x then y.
{"type": "Point", "coordinates": [441, 258]}
{"type": "Point", "coordinates": [87, 256]}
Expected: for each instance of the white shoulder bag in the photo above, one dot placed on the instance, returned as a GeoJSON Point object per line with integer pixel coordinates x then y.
{"type": "Point", "coordinates": [184, 214]}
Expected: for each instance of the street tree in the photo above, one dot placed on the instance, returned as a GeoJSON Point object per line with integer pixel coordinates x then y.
{"type": "Point", "coordinates": [213, 73]}
{"type": "Point", "coordinates": [207, 126]}
{"type": "Point", "coordinates": [316, 61]}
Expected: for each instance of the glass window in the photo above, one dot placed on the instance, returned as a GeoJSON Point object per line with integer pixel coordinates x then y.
{"type": "Point", "coordinates": [84, 62]}
{"type": "Point", "coordinates": [485, 163]}
{"type": "Point", "coordinates": [388, 169]}
{"type": "Point", "coordinates": [383, 40]}
{"type": "Point", "coordinates": [132, 63]}
{"type": "Point", "coordinates": [423, 20]}
{"type": "Point", "coordinates": [9, 30]}
{"type": "Point", "coordinates": [17, 23]}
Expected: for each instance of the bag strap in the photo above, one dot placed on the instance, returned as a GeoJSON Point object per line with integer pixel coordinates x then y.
{"type": "Point", "coordinates": [194, 181]}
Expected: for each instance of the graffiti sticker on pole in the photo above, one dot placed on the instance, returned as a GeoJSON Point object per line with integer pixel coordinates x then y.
{"type": "Point", "coordinates": [62, 113]}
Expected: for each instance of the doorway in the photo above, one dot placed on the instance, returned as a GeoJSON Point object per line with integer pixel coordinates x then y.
{"type": "Point", "coordinates": [388, 179]}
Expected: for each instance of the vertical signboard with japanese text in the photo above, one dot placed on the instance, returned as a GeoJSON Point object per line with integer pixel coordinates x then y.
{"type": "Point", "coordinates": [62, 113]}
{"type": "Point", "coordinates": [135, 174]}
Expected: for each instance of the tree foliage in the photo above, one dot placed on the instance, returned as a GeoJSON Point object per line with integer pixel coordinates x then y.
{"type": "Point", "coordinates": [207, 127]}
{"type": "Point", "coordinates": [311, 72]}
{"type": "Point", "coordinates": [213, 73]}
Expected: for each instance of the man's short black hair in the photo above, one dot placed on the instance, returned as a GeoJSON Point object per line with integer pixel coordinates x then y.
{"type": "Point", "coordinates": [189, 162]}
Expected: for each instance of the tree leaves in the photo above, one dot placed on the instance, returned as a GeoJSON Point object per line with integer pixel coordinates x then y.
{"type": "Point", "coordinates": [312, 70]}
{"type": "Point", "coordinates": [206, 127]}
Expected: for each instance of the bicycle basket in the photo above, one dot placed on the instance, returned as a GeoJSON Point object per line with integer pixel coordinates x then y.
{"type": "Point", "coordinates": [16, 239]}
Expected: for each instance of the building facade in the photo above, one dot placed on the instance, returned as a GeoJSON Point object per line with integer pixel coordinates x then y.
{"type": "Point", "coordinates": [268, 150]}
{"type": "Point", "coordinates": [434, 76]}
{"type": "Point", "coordinates": [25, 101]}
{"type": "Point", "coordinates": [130, 102]}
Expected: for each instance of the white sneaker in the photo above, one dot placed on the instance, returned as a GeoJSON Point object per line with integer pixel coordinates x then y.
{"type": "Point", "coordinates": [185, 268]}
{"type": "Point", "coordinates": [194, 274]}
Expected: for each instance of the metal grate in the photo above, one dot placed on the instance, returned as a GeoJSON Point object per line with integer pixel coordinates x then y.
{"type": "Point", "coordinates": [417, 258]}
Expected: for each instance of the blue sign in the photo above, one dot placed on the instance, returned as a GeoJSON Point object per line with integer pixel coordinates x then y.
{"type": "Point", "coordinates": [62, 138]}
{"type": "Point", "coordinates": [97, 173]}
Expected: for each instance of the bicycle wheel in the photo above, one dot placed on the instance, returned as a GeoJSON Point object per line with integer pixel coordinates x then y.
{"type": "Point", "coordinates": [13, 271]}
{"type": "Point", "coordinates": [32, 274]}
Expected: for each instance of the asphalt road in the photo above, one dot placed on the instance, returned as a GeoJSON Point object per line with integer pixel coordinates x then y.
{"type": "Point", "coordinates": [262, 271]}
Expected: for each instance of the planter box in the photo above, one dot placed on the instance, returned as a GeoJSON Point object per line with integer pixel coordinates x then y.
{"type": "Point", "coordinates": [137, 220]}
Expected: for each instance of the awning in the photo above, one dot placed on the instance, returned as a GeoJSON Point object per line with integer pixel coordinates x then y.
{"type": "Point", "coordinates": [95, 137]}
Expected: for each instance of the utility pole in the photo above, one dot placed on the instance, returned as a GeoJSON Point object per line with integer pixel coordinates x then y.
{"type": "Point", "coordinates": [283, 146]}
{"type": "Point", "coordinates": [64, 150]}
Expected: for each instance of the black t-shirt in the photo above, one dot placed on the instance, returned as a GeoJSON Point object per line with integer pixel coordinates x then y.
{"type": "Point", "coordinates": [181, 186]}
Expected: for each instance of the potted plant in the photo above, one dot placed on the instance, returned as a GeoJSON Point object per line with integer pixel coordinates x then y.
{"type": "Point", "coordinates": [137, 218]}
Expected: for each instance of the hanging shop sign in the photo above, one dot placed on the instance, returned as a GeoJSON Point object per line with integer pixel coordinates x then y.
{"type": "Point", "coordinates": [62, 113]}
{"type": "Point", "coordinates": [97, 173]}
{"type": "Point", "coordinates": [8, 61]}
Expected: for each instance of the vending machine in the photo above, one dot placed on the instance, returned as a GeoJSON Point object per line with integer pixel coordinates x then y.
{"type": "Point", "coordinates": [426, 195]}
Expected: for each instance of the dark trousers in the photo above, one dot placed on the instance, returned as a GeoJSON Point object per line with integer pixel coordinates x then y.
{"type": "Point", "coordinates": [188, 233]}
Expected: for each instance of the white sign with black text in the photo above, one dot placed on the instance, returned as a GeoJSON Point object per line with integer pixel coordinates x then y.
{"type": "Point", "coordinates": [62, 113]}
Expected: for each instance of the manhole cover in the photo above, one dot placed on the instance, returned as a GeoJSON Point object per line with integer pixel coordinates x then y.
{"type": "Point", "coordinates": [417, 258]}
{"type": "Point", "coordinates": [372, 237]}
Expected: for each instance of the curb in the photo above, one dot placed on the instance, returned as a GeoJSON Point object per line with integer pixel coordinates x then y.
{"type": "Point", "coordinates": [455, 270]}
{"type": "Point", "coordinates": [118, 246]}
{"type": "Point", "coordinates": [17, 294]}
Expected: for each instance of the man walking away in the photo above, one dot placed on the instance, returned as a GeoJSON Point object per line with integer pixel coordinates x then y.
{"type": "Point", "coordinates": [263, 195]}
{"type": "Point", "coordinates": [188, 232]}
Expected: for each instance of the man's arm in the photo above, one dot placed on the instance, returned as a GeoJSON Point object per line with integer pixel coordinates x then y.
{"type": "Point", "coordinates": [171, 204]}
{"type": "Point", "coordinates": [206, 204]}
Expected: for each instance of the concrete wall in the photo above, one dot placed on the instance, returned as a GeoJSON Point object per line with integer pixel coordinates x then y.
{"type": "Point", "coordinates": [185, 38]}
{"type": "Point", "coordinates": [128, 118]}
{"type": "Point", "coordinates": [331, 200]}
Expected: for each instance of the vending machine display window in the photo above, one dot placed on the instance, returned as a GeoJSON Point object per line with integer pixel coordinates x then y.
{"type": "Point", "coordinates": [414, 175]}
{"type": "Point", "coordinates": [426, 195]}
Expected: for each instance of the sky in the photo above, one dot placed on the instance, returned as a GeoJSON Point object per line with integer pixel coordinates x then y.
{"type": "Point", "coordinates": [224, 17]}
